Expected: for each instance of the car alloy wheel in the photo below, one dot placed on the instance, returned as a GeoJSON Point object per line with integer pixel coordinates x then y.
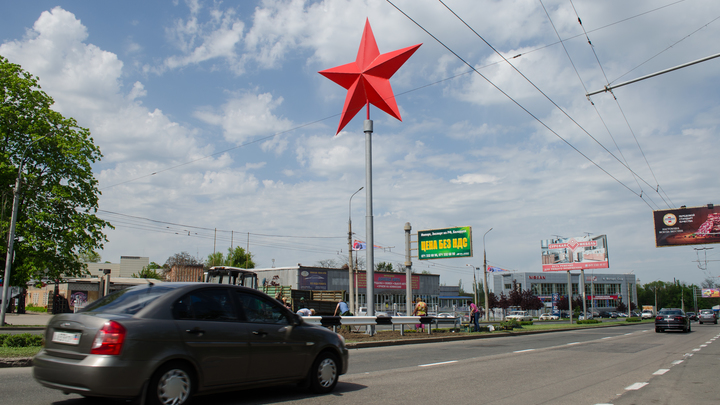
{"type": "Point", "coordinates": [171, 385]}
{"type": "Point", "coordinates": [324, 373]}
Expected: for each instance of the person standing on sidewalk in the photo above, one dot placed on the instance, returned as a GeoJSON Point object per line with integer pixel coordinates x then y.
{"type": "Point", "coordinates": [474, 315]}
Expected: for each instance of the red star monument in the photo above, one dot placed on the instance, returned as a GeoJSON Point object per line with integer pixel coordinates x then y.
{"type": "Point", "coordinates": [368, 78]}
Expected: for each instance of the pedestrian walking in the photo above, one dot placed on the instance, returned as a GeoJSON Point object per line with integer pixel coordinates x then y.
{"type": "Point", "coordinates": [474, 315]}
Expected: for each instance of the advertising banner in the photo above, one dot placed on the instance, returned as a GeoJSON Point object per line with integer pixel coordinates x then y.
{"type": "Point", "coordinates": [445, 243]}
{"type": "Point", "coordinates": [313, 280]}
{"type": "Point", "coordinates": [711, 292]}
{"type": "Point", "coordinates": [387, 281]}
{"type": "Point", "coordinates": [687, 226]}
{"type": "Point", "coordinates": [603, 297]}
{"type": "Point", "coordinates": [578, 253]}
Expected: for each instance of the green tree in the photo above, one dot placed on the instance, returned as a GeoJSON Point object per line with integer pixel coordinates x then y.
{"type": "Point", "coordinates": [215, 259]}
{"type": "Point", "coordinates": [149, 271]}
{"type": "Point", "coordinates": [90, 257]}
{"type": "Point", "coordinates": [384, 267]}
{"type": "Point", "coordinates": [239, 258]}
{"type": "Point", "coordinates": [59, 194]}
{"type": "Point", "coordinates": [182, 258]}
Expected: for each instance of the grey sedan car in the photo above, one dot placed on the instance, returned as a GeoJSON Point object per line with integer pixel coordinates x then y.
{"type": "Point", "coordinates": [165, 342]}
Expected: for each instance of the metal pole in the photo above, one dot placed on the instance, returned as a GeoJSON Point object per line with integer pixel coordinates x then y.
{"type": "Point", "coordinates": [485, 286]}
{"type": "Point", "coordinates": [408, 271]}
{"type": "Point", "coordinates": [608, 88]}
{"type": "Point", "coordinates": [370, 281]}
{"type": "Point", "coordinates": [582, 290]}
{"type": "Point", "coordinates": [570, 296]}
{"type": "Point", "coordinates": [351, 273]}
{"type": "Point", "coordinates": [11, 233]}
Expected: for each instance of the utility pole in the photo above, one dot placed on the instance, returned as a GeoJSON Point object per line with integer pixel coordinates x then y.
{"type": "Point", "coordinates": [351, 275]}
{"type": "Point", "coordinates": [485, 286]}
{"type": "Point", "coordinates": [408, 271]}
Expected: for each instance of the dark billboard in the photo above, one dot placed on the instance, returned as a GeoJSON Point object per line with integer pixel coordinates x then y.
{"type": "Point", "coordinates": [687, 226]}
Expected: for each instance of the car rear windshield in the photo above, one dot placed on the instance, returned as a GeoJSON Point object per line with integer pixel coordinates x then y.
{"type": "Point", "coordinates": [129, 301]}
{"type": "Point", "coordinates": [670, 312]}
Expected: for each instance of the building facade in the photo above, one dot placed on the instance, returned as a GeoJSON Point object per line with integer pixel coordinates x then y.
{"type": "Point", "coordinates": [389, 288]}
{"type": "Point", "coordinates": [603, 292]}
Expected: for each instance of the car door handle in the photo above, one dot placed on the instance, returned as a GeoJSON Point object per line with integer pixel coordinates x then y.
{"type": "Point", "coordinates": [195, 331]}
{"type": "Point", "coordinates": [260, 333]}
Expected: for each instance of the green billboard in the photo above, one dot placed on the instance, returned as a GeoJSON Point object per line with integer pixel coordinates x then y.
{"type": "Point", "coordinates": [445, 243]}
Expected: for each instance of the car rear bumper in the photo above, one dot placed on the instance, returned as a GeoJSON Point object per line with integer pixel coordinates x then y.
{"type": "Point", "coordinates": [103, 376]}
{"type": "Point", "coordinates": [670, 325]}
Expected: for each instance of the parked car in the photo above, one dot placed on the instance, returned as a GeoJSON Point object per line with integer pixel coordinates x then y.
{"type": "Point", "coordinates": [548, 317]}
{"type": "Point", "coordinates": [647, 314]}
{"type": "Point", "coordinates": [604, 314]}
{"type": "Point", "coordinates": [672, 318]}
{"type": "Point", "coordinates": [622, 315]}
{"type": "Point", "coordinates": [177, 339]}
{"type": "Point", "coordinates": [692, 316]}
{"type": "Point", "coordinates": [707, 315]}
{"type": "Point", "coordinates": [582, 317]}
{"type": "Point", "coordinates": [519, 316]}
{"type": "Point", "coordinates": [613, 314]}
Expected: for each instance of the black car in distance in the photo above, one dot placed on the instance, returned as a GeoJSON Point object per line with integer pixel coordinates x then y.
{"type": "Point", "coordinates": [672, 318]}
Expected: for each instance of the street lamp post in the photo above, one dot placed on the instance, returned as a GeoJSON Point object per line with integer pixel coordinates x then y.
{"type": "Point", "coordinates": [485, 287]}
{"type": "Point", "coordinates": [475, 292]}
{"type": "Point", "coordinates": [351, 278]}
{"type": "Point", "coordinates": [11, 233]}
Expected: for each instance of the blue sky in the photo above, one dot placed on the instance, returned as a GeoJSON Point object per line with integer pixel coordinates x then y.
{"type": "Point", "coordinates": [223, 101]}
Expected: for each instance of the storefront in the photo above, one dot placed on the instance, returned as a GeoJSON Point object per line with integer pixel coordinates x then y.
{"type": "Point", "coordinates": [603, 292]}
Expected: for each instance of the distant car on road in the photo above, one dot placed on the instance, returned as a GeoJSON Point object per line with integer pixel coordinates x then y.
{"type": "Point", "coordinates": [691, 315]}
{"type": "Point", "coordinates": [548, 317]}
{"type": "Point", "coordinates": [519, 316]}
{"type": "Point", "coordinates": [172, 340]}
{"type": "Point", "coordinates": [672, 318]}
{"type": "Point", "coordinates": [647, 314]}
{"type": "Point", "coordinates": [707, 315]}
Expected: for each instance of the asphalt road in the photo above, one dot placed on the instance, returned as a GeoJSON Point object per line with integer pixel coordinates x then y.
{"type": "Point", "coordinates": [618, 365]}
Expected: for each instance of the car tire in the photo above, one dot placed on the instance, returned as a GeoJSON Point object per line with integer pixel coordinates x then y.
{"type": "Point", "coordinates": [689, 328]}
{"type": "Point", "coordinates": [173, 383]}
{"type": "Point", "coordinates": [324, 373]}
{"type": "Point", "coordinates": [658, 330]}
{"type": "Point", "coordinates": [700, 323]}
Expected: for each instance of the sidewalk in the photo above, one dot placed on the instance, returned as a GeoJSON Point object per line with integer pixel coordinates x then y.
{"type": "Point", "coordinates": [30, 319]}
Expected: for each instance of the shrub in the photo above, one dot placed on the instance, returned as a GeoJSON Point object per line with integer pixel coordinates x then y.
{"type": "Point", "coordinates": [21, 340]}
{"type": "Point", "coordinates": [581, 321]}
{"type": "Point", "coordinates": [509, 325]}
{"type": "Point", "coordinates": [633, 319]}
{"type": "Point", "coordinates": [526, 323]}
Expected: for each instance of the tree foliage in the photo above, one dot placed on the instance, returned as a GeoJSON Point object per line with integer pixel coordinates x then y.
{"type": "Point", "coordinates": [384, 267]}
{"type": "Point", "coordinates": [180, 259]}
{"type": "Point", "coordinates": [149, 272]}
{"type": "Point", "coordinates": [235, 258]}
{"type": "Point", "coordinates": [58, 197]}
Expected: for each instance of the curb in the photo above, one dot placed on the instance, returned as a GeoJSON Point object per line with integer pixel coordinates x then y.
{"type": "Point", "coordinates": [16, 362]}
{"type": "Point", "coordinates": [383, 343]}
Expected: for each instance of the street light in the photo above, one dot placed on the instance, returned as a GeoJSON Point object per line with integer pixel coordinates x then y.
{"type": "Point", "coordinates": [11, 232]}
{"type": "Point", "coordinates": [475, 295]}
{"type": "Point", "coordinates": [485, 287]}
{"type": "Point", "coordinates": [351, 278]}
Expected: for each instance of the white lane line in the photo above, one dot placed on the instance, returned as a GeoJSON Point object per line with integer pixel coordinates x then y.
{"type": "Point", "coordinates": [688, 354]}
{"type": "Point", "coordinates": [661, 371]}
{"type": "Point", "coordinates": [676, 362]}
{"type": "Point", "coordinates": [526, 350]}
{"type": "Point", "coordinates": [696, 350]}
{"type": "Point", "coordinates": [609, 337]}
{"type": "Point", "coordinates": [703, 345]}
{"type": "Point", "coordinates": [437, 364]}
{"type": "Point", "coordinates": [707, 343]}
{"type": "Point", "coordinates": [628, 334]}
{"type": "Point", "coordinates": [573, 343]}
{"type": "Point", "coordinates": [636, 386]}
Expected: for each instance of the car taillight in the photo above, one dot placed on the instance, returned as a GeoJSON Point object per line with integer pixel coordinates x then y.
{"type": "Point", "coordinates": [658, 318]}
{"type": "Point", "coordinates": [109, 340]}
{"type": "Point", "coordinates": [679, 318]}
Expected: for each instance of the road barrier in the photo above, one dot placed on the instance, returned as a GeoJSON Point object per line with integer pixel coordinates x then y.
{"type": "Point", "coordinates": [335, 321]}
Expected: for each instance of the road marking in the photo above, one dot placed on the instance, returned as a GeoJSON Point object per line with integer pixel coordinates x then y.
{"type": "Point", "coordinates": [526, 350]}
{"type": "Point", "coordinates": [437, 364]}
{"type": "Point", "coordinates": [703, 345]}
{"type": "Point", "coordinates": [573, 343]}
{"type": "Point", "coordinates": [688, 354]}
{"type": "Point", "coordinates": [628, 334]}
{"type": "Point", "coordinates": [708, 342]}
{"type": "Point", "coordinates": [636, 386]}
{"type": "Point", "coordinates": [676, 362]}
{"type": "Point", "coordinates": [696, 350]}
{"type": "Point", "coordinates": [661, 371]}
{"type": "Point", "coordinates": [609, 337]}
